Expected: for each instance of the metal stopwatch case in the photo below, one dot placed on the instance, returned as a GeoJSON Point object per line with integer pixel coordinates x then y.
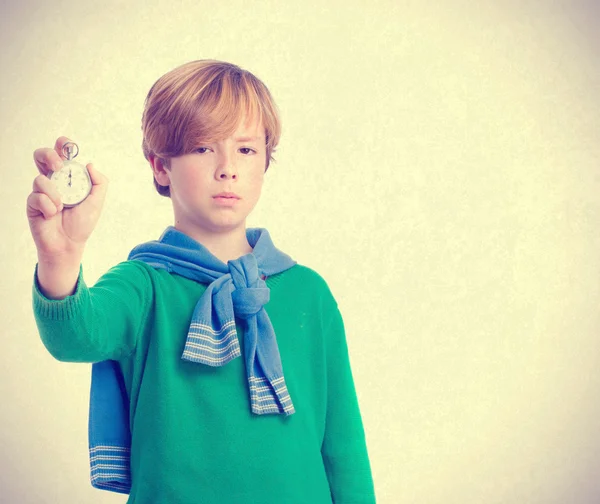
{"type": "Point", "coordinates": [73, 179]}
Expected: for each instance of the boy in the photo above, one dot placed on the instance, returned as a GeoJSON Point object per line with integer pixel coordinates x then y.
{"type": "Point", "coordinates": [220, 366]}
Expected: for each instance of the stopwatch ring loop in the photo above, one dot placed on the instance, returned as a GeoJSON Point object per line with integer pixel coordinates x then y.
{"type": "Point", "coordinates": [67, 152]}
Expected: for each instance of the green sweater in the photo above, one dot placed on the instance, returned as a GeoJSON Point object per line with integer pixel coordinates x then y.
{"type": "Point", "coordinates": [194, 438]}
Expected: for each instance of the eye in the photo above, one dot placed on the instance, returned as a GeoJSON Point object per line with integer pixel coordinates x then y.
{"type": "Point", "coordinates": [201, 150]}
{"type": "Point", "coordinates": [247, 149]}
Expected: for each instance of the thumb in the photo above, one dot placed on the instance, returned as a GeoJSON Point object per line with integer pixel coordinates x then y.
{"type": "Point", "coordinates": [96, 177]}
{"type": "Point", "coordinates": [99, 182]}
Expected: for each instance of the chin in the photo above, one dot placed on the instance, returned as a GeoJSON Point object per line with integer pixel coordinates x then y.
{"type": "Point", "coordinates": [227, 224]}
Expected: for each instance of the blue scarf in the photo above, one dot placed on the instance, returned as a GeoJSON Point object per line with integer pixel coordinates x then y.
{"type": "Point", "coordinates": [235, 289]}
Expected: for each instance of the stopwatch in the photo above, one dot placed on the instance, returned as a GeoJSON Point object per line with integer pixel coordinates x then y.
{"type": "Point", "coordinates": [73, 179]}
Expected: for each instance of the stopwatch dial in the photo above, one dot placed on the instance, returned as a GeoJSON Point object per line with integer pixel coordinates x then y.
{"type": "Point", "coordinates": [73, 183]}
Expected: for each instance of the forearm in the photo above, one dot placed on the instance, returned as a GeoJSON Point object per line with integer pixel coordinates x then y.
{"type": "Point", "coordinates": [57, 276]}
{"type": "Point", "coordinates": [64, 321]}
{"type": "Point", "coordinates": [93, 324]}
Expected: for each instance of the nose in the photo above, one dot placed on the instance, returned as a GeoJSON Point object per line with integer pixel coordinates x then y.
{"type": "Point", "coordinates": [226, 168]}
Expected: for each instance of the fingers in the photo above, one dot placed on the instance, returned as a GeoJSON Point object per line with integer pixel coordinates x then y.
{"type": "Point", "coordinates": [51, 160]}
{"type": "Point", "coordinates": [47, 159]}
{"type": "Point", "coordinates": [41, 204]}
{"type": "Point", "coordinates": [43, 185]}
{"type": "Point", "coordinates": [58, 145]}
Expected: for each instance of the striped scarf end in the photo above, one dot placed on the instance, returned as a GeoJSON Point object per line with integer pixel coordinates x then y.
{"type": "Point", "coordinates": [123, 487]}
{"type": "Point", "coordinates": [201, 358]}
{"type": "Point", "coordinates": [109, 468]}
{"type": "Point", "coordinates": [272, 407]}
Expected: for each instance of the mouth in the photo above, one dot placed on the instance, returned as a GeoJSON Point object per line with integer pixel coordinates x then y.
{"type": "Point", "coordinates": [227, 195]}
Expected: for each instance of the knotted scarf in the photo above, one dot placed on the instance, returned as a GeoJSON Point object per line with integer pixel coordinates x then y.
{"type": "Point", "coordinates": [235, 289]}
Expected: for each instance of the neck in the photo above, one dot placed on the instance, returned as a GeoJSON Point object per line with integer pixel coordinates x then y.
{"type": "Point", "coordinates": [224, 245]}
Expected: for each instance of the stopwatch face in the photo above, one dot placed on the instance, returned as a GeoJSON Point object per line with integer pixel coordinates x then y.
{"type": "Point", "coordinates": [73, 183]}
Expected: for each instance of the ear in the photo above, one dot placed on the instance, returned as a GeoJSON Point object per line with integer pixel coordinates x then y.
{"type": "Point", "coordinates": [161, 173]}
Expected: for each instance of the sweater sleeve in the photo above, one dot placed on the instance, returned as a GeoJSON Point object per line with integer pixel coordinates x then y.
{"type": "Point", "coordinates": [94, 323]}
{"type": "Point", "coordinates": [344, 448]}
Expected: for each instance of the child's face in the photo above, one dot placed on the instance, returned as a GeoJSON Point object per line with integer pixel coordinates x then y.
{"type": "Point", "coordinates": [230, 165]}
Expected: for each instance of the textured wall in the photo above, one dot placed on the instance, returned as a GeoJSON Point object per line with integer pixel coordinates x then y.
{"type": "Point", "coordinates": [439, 166]}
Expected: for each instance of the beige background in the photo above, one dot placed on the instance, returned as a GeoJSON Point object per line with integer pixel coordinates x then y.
{"type": "Point", "coordinates": [439, 167]}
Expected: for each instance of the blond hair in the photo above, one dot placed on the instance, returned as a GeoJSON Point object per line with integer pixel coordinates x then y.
{"type": "Point", "coordinates": [204, 100]}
